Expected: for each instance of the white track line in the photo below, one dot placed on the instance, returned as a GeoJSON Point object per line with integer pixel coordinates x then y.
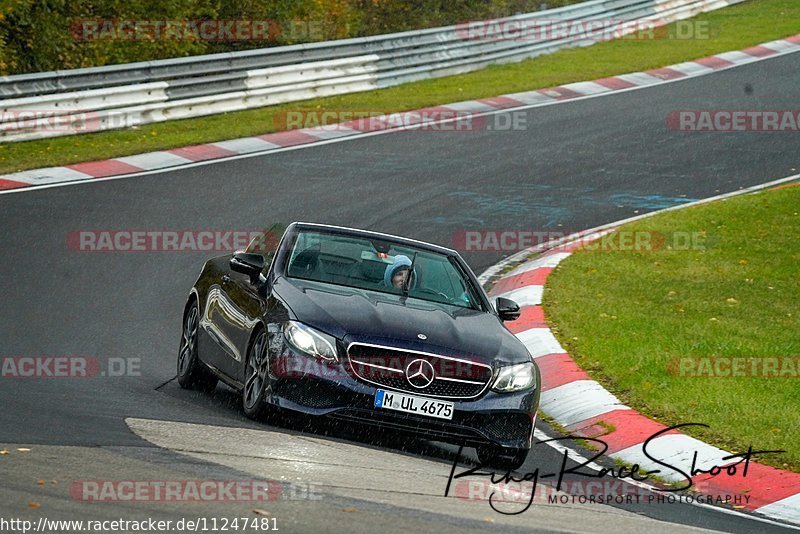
{"type": "Point", "coordinates": [783, 509]}
{"type": "Point", "coordinates": [783, 49]}
{"type": "Point", "coordinates": [519, 256]}
{"type": "Point", "coordinates": [575, 456]}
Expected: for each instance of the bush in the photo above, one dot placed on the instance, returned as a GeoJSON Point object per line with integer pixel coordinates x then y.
{"type": "Point", "coordinates": [45, 35]}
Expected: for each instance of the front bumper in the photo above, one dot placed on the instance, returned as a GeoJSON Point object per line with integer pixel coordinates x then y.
{"type": "Point", "coordinates": [304, 384]}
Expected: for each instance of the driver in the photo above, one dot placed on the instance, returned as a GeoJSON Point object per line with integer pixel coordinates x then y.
{"type": "Point", "coordinates": [397, 273]}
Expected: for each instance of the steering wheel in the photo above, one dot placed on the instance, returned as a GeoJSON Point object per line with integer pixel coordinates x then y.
{"type": "Point", "coordinates": [433, 292]}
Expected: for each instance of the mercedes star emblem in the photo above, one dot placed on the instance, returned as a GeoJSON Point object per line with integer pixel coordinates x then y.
{"type": "Point", "coordinates": [419, 373]}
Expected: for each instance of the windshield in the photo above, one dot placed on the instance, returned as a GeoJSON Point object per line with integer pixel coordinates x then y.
{"type": "Point", "coordinates": [380, 265]}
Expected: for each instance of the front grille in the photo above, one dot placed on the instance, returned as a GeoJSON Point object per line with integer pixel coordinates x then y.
{"type": "Point", "coordinates": [453, 378]}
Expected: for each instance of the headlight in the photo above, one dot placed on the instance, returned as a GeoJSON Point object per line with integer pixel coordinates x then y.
{"type": "Point", "coordinates": [310, 341]}
{"type": "Point", "coordinates": [515, 378]}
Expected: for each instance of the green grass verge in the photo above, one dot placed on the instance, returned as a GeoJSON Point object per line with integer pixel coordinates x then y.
{"type": "Point", "coordinates": [732, 28]}
{"type": "Point", "coordinates": [627, 316]}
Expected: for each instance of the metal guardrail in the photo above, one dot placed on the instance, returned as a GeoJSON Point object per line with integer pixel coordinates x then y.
{"type": "Point", "coordinates": [118, 96]}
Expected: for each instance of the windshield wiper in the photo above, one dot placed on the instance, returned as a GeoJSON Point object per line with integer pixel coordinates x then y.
{"type": "Point", "coordinates": [407, 282]}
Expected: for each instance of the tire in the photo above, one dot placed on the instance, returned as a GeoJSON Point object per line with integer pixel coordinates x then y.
{"type": "Point", "coordinates": [502, 457]}
{"type": "Point", "coordinates": [256, 377]}
{"type": "Point", "coordinates": [192, 374]}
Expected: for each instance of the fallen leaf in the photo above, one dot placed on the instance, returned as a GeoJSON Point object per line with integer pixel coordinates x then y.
{"type": "Point", "coordinates": [33, 504]}
{"type": "Point", "coordinates": [259, 511]}
{"type": "Point", "coordinates": [40, 482]}
{"type": "Point", "coordinates": [3, 452]}
{"type": "Point", "coordinates": [23, 449]}
{"type": "Point", "coordinates": [349, 510]}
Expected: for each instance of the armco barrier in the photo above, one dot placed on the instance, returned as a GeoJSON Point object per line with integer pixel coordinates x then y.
{"type": "Point", "coordinates": [131, 94]}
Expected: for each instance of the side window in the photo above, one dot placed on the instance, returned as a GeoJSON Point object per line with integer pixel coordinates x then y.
{"type": "Point", "coordinates": [265, 243]}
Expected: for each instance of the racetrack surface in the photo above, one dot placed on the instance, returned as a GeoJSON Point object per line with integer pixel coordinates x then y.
{"type": "Point", "coordinates": [577, 165]}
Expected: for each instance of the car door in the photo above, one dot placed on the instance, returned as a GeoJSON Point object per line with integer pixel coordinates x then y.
{"type": "Point", "coordinates": [239, 308]}
{"type": "Point", "coordinates": [236, 305]}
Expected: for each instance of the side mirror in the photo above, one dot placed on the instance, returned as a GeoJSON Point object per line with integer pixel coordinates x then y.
{"type": "Point", "coordinates": [248, 263]}
{"type": "Point", "coordinates": [507, 309]}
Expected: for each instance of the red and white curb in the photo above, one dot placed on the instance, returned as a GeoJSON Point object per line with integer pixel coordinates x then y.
{"type": "Point", "coordinates": [587, 409]}
{"type": "Point", "coordinates": [181, 157]}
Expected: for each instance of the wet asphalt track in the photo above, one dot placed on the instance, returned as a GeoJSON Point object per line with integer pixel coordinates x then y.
{"type": "Point", "coordinates": [577, 165]}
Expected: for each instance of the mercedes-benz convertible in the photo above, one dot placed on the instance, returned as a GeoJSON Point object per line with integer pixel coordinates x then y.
{"type": "Point", "coordinates": [367, 328]}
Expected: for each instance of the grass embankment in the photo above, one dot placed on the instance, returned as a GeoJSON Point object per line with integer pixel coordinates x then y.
{"type": "Point", "coordinates": [732, 28]}
{"type": "Point", "coordinates": [648, 323]}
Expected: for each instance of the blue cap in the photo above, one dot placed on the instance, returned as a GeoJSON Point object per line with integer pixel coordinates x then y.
{"type": "Point", "coordinates": [399, 261]}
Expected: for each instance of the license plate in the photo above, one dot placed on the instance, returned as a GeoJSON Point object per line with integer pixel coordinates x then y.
{"type": "Point", "coordinates": [392, 400]}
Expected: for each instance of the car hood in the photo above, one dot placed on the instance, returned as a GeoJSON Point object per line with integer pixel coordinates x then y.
{"type": "Point", "coordinates": [372, 317]}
